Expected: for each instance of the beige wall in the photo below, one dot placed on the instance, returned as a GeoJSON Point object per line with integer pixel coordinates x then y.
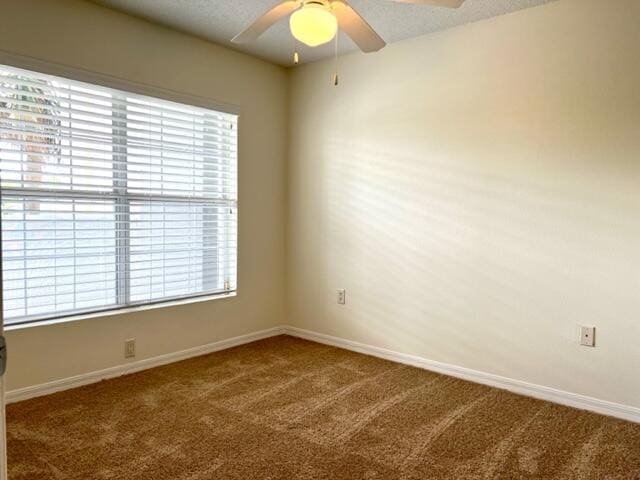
{"type": "Point", "coordinates": [477, 192]}
{"type": "Point", "coordinates": [86, 36]}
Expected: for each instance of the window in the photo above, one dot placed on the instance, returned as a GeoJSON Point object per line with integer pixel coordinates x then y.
{"type": "Point", "coordinates": [111, 199]}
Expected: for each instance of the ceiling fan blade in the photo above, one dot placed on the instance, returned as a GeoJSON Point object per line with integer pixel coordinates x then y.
{"type": "Point", "coordinates": [258, 27]}
{"type": "Point", "coordinates": [435, 3]}
{"type": "Point", "coordinates": [356, 27]}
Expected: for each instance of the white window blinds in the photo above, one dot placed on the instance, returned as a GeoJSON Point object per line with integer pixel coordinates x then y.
{"type": "Point", "coordinates": [111, 199]}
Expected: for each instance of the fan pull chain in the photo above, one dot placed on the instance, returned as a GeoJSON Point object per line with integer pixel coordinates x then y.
{"type": "Point", "coordinates": [296, 55]}
{"type": "Point", "coordinates": [336, 79]}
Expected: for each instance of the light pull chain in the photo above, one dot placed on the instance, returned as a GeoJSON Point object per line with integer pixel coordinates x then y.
{"type": "Point", "coordinates": [336, 79]}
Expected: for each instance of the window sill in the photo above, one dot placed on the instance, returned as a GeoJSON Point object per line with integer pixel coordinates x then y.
{"type": "Point", "coordinates": [120, 311]}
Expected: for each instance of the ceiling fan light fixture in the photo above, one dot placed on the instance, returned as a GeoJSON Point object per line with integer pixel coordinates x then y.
{"type": "Point", "coordinates": [313, 24]}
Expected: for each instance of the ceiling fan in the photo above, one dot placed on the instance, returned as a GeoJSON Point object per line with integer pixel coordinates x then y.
{"type": "Point", "coordinates": [316, 22]}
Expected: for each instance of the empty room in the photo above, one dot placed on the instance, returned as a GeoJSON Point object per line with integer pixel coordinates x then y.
{"type": "Point", "coordinates": [320, 239]}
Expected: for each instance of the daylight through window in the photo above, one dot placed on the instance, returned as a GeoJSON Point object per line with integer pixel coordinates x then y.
{"type": "Point", "coordinates": [111, 199]}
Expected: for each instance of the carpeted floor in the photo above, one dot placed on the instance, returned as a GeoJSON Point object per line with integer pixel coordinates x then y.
{"type": "Point", "coordinates": [285, 408]}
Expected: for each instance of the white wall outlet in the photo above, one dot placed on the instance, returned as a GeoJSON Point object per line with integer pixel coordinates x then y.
{"type": "Point", "coordinates": [130, 348]}
{"type": "Point", "coordinates": [342, 296]}
{"type": "Point", "coordinates": [588, 336]}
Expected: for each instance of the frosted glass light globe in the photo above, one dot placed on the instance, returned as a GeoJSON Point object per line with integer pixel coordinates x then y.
{"type": "Point", "coordinates": [313, 24]}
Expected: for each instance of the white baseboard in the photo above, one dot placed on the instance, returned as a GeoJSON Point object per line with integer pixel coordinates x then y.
{"type": "Point", "coordinates": [582, 402]}
{"type": "Point", "coordinates": [574, 400]}
{"type": "Point", "coordinates": [119, 370]}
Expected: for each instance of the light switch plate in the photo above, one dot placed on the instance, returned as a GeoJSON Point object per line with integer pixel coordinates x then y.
{"type": "Point", "coordinates": [342, 296]}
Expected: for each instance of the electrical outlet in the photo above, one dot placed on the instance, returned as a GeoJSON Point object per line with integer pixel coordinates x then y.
{"type": "Point", "coordinates": [342, 296]}
{"type": "Point", "coordinates": [588, 336]}
{"type": "Point", "coordinates": [130, 348]}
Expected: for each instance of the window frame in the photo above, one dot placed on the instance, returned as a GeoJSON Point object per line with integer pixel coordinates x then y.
{"type": "Point", "coordinates": [138, 88]}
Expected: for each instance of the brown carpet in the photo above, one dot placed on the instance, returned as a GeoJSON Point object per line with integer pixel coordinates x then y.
{"type": "Point", "coordinates": [285, 408]}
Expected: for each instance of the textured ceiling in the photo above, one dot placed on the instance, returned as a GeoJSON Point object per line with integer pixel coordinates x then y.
{"type": "Point", "coordinates": [220, 20]}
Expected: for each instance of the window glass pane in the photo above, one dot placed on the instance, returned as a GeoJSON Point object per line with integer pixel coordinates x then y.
{"type": "Point", "coordinates": [173, 250]}
{"type": "Point", "coordinates": [54, 138]}
{"type": "Point", "coordinates": [58, 255]}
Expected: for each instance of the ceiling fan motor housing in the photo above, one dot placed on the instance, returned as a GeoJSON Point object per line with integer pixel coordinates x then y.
{"type": "Point", "coordinates": [324, 3]}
